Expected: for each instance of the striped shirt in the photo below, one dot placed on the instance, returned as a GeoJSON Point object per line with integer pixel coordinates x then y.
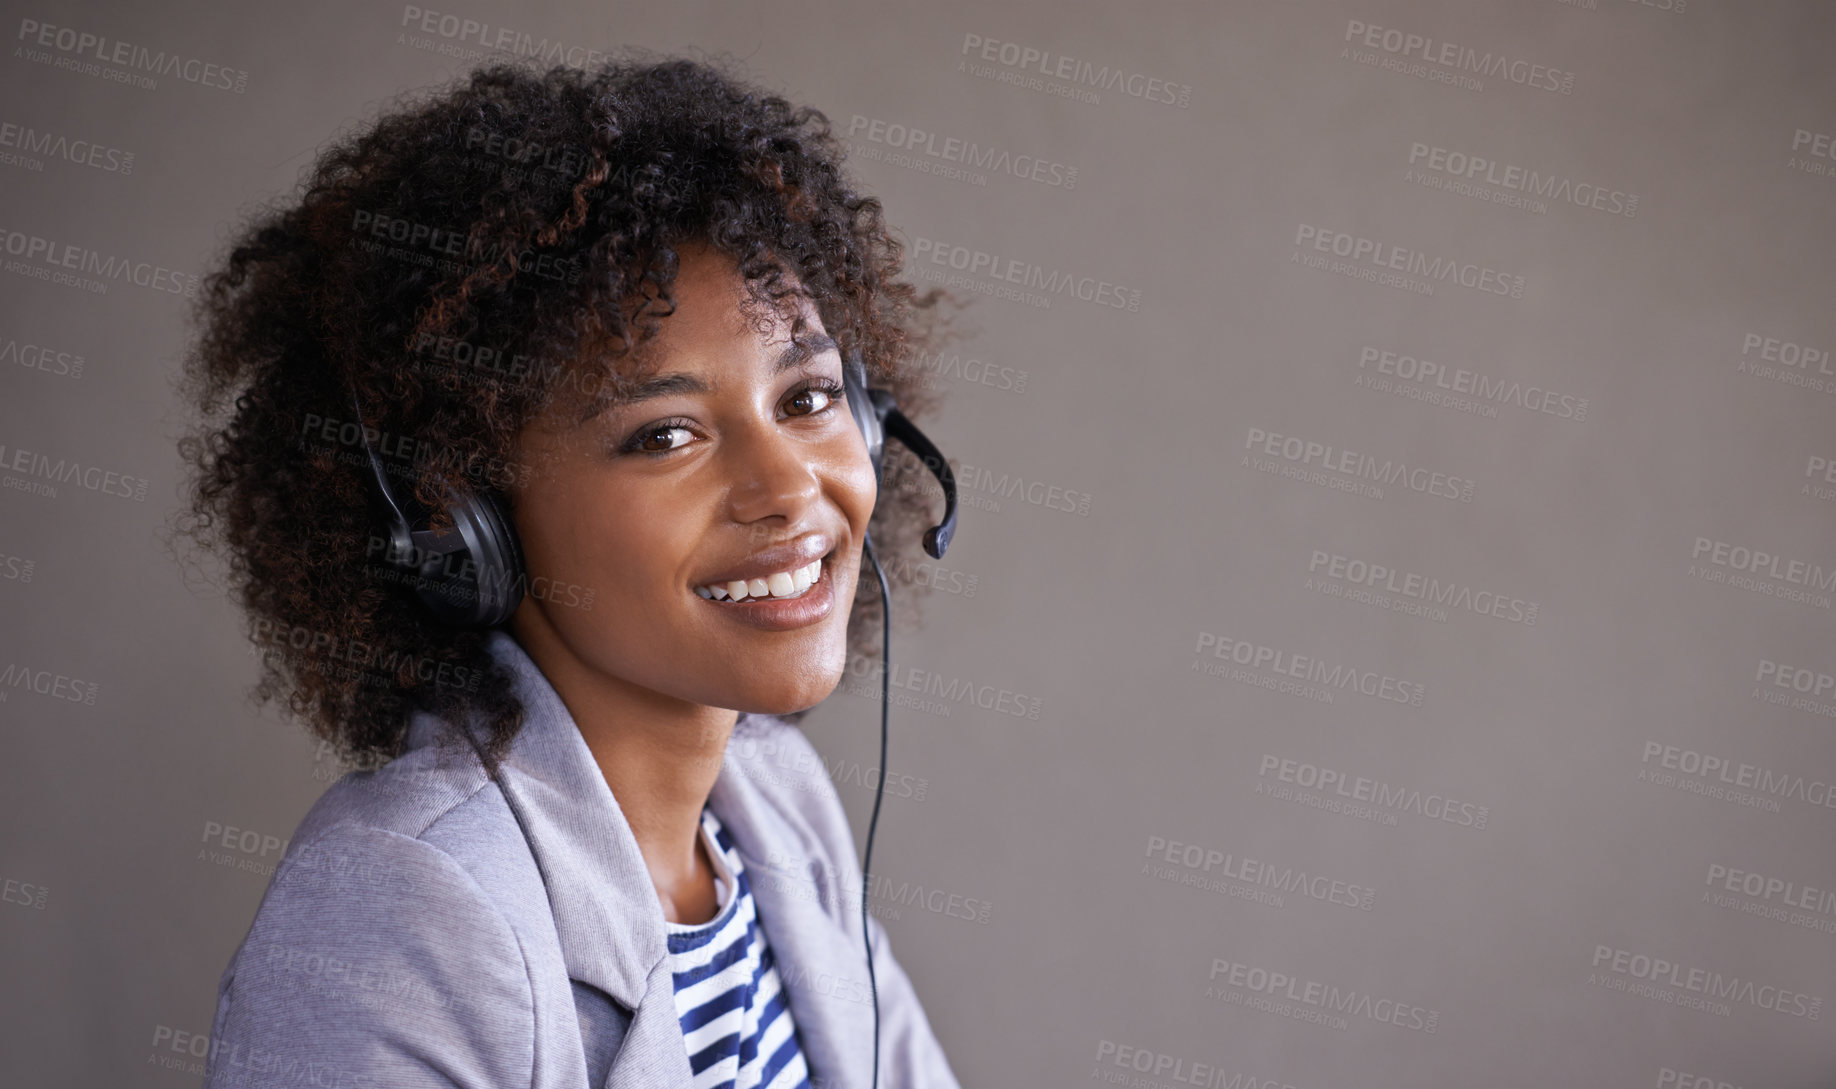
{"type": "Point", "coordinates": [735, 1019]}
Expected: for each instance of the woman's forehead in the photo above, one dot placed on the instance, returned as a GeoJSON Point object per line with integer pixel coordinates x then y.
{"type": "Point", "coordinates": [716, 311]}
{"type": "Point", "coordinates": [710, 288]}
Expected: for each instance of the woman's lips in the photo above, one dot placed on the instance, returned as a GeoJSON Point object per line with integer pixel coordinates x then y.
{"type": "Point", "coordinates": [782, 613]}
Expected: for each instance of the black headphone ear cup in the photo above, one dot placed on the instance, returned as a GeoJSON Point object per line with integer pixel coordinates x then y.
{"type": "Point", "coordinates": [497, 510]}
{"type": "Point", "coordinates": [501, 577]}
{"type": "Point", "coordinates": [480, 582]}
{"type": "Point", "coordinates": [860, 404]}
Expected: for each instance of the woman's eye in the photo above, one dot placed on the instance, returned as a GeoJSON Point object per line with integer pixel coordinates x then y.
{"type": "Point", "coordinates": [640, 442]}
{"type": "Point", "coordinates": [817, 397]}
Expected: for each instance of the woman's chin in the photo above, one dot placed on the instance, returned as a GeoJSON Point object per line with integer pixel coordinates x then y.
{"type": "Point", "coordinates": [783, 699]}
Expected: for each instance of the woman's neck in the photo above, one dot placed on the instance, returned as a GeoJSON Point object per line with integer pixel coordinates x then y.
{"type": "Point", "coordinates": [661, 781]}
{"type": "Point", "coordinates": [660, 756]}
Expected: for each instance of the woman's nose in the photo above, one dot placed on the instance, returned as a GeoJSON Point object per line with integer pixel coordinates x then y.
{"type": "Point", "coordinates": [773, 475]}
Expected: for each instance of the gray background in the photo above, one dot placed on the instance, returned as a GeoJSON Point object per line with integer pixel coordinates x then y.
{"type": "Point", "coordinates": [1626, 527]}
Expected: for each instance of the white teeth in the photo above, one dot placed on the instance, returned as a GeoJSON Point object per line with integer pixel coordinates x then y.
{"type": "Point", "coordinates": [782, 584]}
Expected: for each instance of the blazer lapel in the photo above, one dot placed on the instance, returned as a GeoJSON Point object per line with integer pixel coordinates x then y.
{"type": "Point", "coordinates": [606, 913]}
{"type": "Point", "coordinates": [653, 1055]}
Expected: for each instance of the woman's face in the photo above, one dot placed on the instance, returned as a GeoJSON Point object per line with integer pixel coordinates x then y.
{"type": "Point", "coordinates": [741, 464]}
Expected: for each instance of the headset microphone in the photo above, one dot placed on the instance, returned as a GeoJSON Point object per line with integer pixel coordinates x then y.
{"type": "Point", "coordinates": [471, 574]}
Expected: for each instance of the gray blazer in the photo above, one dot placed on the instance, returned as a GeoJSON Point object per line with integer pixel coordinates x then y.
{"type": "Point", "coordinates": [429, 926]}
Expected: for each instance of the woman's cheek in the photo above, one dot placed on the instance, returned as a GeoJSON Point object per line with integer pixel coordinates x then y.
{"type": "Point", "coordinates": [857, 488]}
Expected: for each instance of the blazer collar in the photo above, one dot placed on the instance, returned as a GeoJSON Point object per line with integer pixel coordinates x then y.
{"type": "Point", "coordinates": [606, 912]}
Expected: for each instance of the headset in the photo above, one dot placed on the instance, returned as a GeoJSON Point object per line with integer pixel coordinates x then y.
{"type": "Point", "coordinates": [471, 574]}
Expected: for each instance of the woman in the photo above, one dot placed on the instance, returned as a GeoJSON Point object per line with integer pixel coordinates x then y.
{"type": "Point", "coordinates": [605, 312]}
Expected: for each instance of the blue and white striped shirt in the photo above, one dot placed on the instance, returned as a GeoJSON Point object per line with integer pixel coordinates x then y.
{"type": "Point", "coordinates": [735, 1019]}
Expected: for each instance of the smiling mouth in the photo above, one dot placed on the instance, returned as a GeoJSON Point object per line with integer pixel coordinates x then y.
{"type": "Point", "coordinates": [781, 586]}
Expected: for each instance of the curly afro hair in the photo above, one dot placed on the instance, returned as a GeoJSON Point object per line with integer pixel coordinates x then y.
{"type": "Point", "coordinates": [454, 267]}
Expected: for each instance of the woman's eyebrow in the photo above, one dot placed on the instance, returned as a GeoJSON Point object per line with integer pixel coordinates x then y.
{"type": "Point", "coordinates": [796, 353]}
